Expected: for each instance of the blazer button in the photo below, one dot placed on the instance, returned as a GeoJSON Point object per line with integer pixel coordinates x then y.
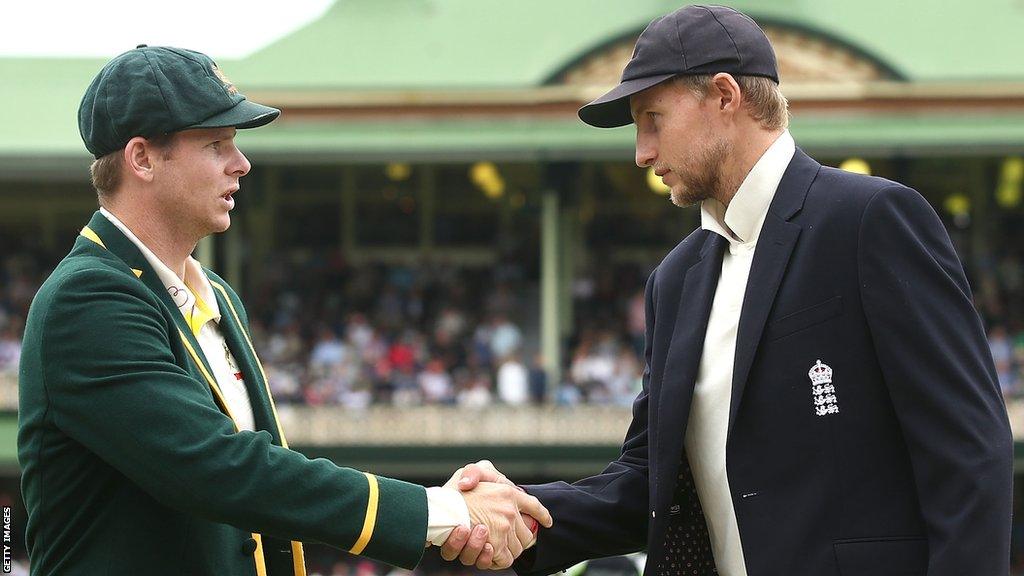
{"type": "Point", "coordinates": [249, 547]}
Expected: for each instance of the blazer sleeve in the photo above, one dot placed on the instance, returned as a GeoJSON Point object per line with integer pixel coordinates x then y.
{"type": "Point", "coordinates": [938, 368]}
{"type": "Point", "coordinates": [115, 387]}
{"type": "Point", "coordinates": [606, 514]}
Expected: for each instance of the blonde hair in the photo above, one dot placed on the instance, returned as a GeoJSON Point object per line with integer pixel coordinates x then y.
{"type": "Point", "coordinates": [105, 171]}
{"type": "Point", "coordinates": [762, 97]}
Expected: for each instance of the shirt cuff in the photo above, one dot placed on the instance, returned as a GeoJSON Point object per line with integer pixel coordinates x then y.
{"type": "Point", "coordinates": [446, 509]}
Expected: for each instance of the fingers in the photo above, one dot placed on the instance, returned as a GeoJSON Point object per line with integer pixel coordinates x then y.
{"type": "Point", "coordinates": [503, 558]}
{"type": "Point", "coordinates": [486, 559]}
{"type": "Point", "coordinates": [523, 533]}
{"type": "Point", "coordinates": [482, 471]}
{"type": "Point", "coordinates": [510, 531]}
{"type": "Point", "coordinates": [453, 481]}
{"type": "Point", "coordinates": [529, 505]}
{"type": "Point", "coordinates": [455, 543]}
{"type": "Point", "coordinates": [471, 476]}
{"type": "Point", "coordinates": [470, 547]}
{"type": "Point", "coordinates": [519, 538]}
{"type": "Point", "coordinates": [471, 553]}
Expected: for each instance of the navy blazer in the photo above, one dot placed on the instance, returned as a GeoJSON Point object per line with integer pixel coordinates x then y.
{"type": "Point", "coordinates": [910, 474]}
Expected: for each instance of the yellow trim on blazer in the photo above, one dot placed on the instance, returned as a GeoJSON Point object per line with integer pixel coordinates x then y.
{"type": "Point", "coordinates": [298, 559]}
{"type": "Point", "coordinates": [298, 555]}
{"type": "Point", "coordinates": [88, 233]}
{"type": "Point", "coordinates": [209, 379]}
{"type": "Point", "coordinates": [371, 516]}
{"type": "Point", "coordinates": [261, 563]}
{"type": "Point", "coordinates": [266, 383]}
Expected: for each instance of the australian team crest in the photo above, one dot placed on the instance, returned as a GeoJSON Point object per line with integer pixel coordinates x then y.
{"type": "Point", "coordinates": [822, 390]}
{"type": "Point", "coordinates": [224, 80]}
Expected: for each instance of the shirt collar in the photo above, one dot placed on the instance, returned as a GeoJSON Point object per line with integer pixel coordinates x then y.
{"type": "Point", "coordinates": [741, 222]}
{"type": "Point", "coordinates": [193, 295]}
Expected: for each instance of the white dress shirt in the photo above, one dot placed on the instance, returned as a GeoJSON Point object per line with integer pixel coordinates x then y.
{"type": "Point", "coordinates": [708, 425]}
{"type": "Point", "coordinates": [194, 297]}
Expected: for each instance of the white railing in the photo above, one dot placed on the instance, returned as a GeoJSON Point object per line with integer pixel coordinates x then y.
{"type": "Point", "coordinates": [444, 425]}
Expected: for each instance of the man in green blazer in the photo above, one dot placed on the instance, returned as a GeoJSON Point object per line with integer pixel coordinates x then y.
{"type": "Point", "coordinates": [148, 437]}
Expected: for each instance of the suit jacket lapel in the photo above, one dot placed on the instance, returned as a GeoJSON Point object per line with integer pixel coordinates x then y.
{"type": "Point", "coordinates": [238, 344]}
{"type": "Point", "coordinates": [771, 257]}
{"type": "Point", "coordinates": [683, 359]}
{"type": "Point", "coordinates": [111, 238]}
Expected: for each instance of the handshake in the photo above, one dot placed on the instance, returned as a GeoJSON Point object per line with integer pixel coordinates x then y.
{"type": "Point", "coordinates": [504, 519]}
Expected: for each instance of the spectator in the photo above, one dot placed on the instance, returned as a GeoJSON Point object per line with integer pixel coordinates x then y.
{"type": "Point", "coordinates": [513, 382]}
{"type": "Point", "coordinates": [635, 323]}
{"type": "Point", "coordinates": [538, 380]}
{"type": "Point", "coordinates": [10, 348]}
{"type": "Point", "coordinates": [505, 337]}
{"type": "Point", "coordinates": [436, 384]}
{"type": "Point", "coordinates": [329, 352]}
{"type": "Point", "coordinates": [1002, 355]}
{"type": "Point", "coordinates": [474, 389]}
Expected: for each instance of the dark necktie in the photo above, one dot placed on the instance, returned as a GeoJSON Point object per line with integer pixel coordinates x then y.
{"type": "Point", "coordinates": [687, 550]}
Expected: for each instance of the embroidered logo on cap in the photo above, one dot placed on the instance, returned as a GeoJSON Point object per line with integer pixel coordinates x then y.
{"type": "Point", "coordinates": [224, 79]}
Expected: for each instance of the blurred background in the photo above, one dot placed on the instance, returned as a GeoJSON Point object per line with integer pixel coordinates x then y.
{"type": "Point", "coordinates": [440, 261]}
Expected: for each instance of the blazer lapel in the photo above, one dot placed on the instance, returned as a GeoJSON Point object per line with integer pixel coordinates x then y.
{"type": "Point", "coordinates": [238, 343]}
{"type": "Point", "coordinates": [771, 257]}
{"type": "Point", "coordinates": [683, 359]}
{"type": "Point", "coordinates": [103, 232]}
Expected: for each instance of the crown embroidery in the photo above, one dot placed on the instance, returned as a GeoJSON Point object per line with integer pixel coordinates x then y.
{"type": "Point", "coordinates": [822, 390]}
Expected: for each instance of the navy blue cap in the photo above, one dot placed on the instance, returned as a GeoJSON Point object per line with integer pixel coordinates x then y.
{"type": "Point", "coordinates": [692, 40]}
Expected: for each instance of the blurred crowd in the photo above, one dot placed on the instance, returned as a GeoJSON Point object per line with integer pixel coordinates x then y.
{"type": "Point", "coordinates": [331, 333]}
{"type": "Point", "coordinates": [998, 286]}
{"type": "Point", "coordinates": [334, 334]}
{"type": "Point", "coordinates": [20, 277]}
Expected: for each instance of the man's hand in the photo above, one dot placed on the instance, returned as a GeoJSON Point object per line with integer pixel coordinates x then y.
{"type": "Point", "coordinates": [469, 546]}
{"type": "Point", "coordinates": [467, 477]}
{"type": "Point", "coordinates": [477, 548]}
{"type": "Point", "coordinates": [497, 507]}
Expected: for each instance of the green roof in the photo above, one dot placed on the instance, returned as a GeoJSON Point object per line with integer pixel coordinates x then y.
{"type": "Point", "coordinates": [39, 104]}
{"type": "Point", "coordinates": [501, 43]}
{"type": "Point", "coordinates": [452, 45]}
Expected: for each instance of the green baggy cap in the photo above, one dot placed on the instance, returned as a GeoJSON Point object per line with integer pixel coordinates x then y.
{"type": "Point", "coordinates": [155, 90]}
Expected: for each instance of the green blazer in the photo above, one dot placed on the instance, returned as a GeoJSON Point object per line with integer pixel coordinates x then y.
{"type": "Point", "coordinates": [131, 463]}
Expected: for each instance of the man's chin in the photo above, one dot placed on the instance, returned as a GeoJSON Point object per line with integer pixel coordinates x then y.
{"type": "Point", "coordinates": [220, 224]}
{"type": "Point", "coordinates": [684, 197]}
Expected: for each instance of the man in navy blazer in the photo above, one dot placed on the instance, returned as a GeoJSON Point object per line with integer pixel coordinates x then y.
{"type": "Point", "coordinates": [819, 398]}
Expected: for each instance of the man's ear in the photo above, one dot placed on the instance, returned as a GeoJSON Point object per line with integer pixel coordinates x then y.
{"type": "Point", "coordinates": [139, 154]}
{"type": "Point", "coordinates": [726, 92]}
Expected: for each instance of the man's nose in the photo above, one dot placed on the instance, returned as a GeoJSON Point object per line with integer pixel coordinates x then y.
{"type": "Point", "coordinates": [241, 166]}
{"type": "Point", "coordinates": [645, 152]}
